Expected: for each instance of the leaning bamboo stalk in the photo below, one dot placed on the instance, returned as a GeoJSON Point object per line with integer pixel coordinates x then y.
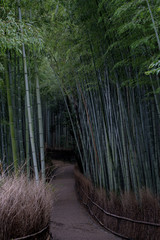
{"type": "Point", "coordinates": [69, 113]}
{"type": "Point", "coordinates": [154, 24]}
{"type": "Point", "coordinates": [89, 122]}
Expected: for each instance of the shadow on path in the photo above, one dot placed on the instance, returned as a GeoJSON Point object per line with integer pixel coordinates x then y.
{"type": "Point", "coordinates": [70, 220]}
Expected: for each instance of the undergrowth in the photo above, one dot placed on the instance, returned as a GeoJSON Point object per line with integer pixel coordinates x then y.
{"type": "Point", "coordinates": [147, 208]}
{"type": "Point", "coordinates": [25, 207]}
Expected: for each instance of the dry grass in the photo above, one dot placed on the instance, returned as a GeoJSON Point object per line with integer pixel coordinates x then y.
{"type": "Point", "coordinates": [54, 168]}
{"type": "Point", "coordinates": [25, 207]}
{"type": "Point", "coordinates": [126, 205]}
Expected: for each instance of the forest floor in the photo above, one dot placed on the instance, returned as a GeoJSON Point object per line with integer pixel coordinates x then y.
{"type": "Point", "coordinates": [69, 219]}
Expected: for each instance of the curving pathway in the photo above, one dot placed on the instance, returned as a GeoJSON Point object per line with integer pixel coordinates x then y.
{"type": "Point", "coordinates": [70, 220]}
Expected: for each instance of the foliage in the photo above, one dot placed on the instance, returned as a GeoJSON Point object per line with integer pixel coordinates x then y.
{"type": "Point", "coordinates": [12, 38]}
{"type": "Point", "coordinates": [154, 68]}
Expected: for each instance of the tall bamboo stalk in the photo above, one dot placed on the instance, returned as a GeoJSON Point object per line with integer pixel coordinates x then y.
{"type": "Point", "coordinates": [11, 117]}
{"type": "Point", "coordinates": [40, 123]}
{"type": "Point", "coordinates": [30, 123]}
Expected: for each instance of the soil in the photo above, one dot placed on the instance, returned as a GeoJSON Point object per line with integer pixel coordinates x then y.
{"type": "Point", "coordinates": [70, 220]}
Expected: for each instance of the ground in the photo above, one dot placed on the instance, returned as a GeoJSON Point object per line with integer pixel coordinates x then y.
{"type": "Point", "coordinates": [70, 220]}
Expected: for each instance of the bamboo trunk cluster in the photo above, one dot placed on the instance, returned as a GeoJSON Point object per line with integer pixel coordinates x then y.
{"type": "Point", "coordinates": [113, 106]}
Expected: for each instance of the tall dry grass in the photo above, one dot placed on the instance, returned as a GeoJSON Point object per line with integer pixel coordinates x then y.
{"type": "Point", "coordinates": [25, 207]}
{"type": "Point", "coordinates": [126, 205]}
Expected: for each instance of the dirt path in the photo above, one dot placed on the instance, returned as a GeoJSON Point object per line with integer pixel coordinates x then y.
{"type": "Point", "coordinates": [70, 220]}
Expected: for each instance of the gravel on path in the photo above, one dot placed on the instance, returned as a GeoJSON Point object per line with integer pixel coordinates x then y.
{"type": "Point", "coordinates": [69, 219]}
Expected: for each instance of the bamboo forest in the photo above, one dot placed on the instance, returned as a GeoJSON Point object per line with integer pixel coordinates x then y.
{"type": "Point", "coordinates": [80, 93]}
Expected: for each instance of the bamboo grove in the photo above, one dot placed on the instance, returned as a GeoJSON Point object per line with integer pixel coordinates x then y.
{"type": "Point", "coordinates": [23, 104]}
{"type": "Point", "coordinates": [104, 57]}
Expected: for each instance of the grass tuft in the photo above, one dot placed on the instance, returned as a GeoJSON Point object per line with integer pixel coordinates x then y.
{"type": "Point", "coordinates": [25, 207]}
